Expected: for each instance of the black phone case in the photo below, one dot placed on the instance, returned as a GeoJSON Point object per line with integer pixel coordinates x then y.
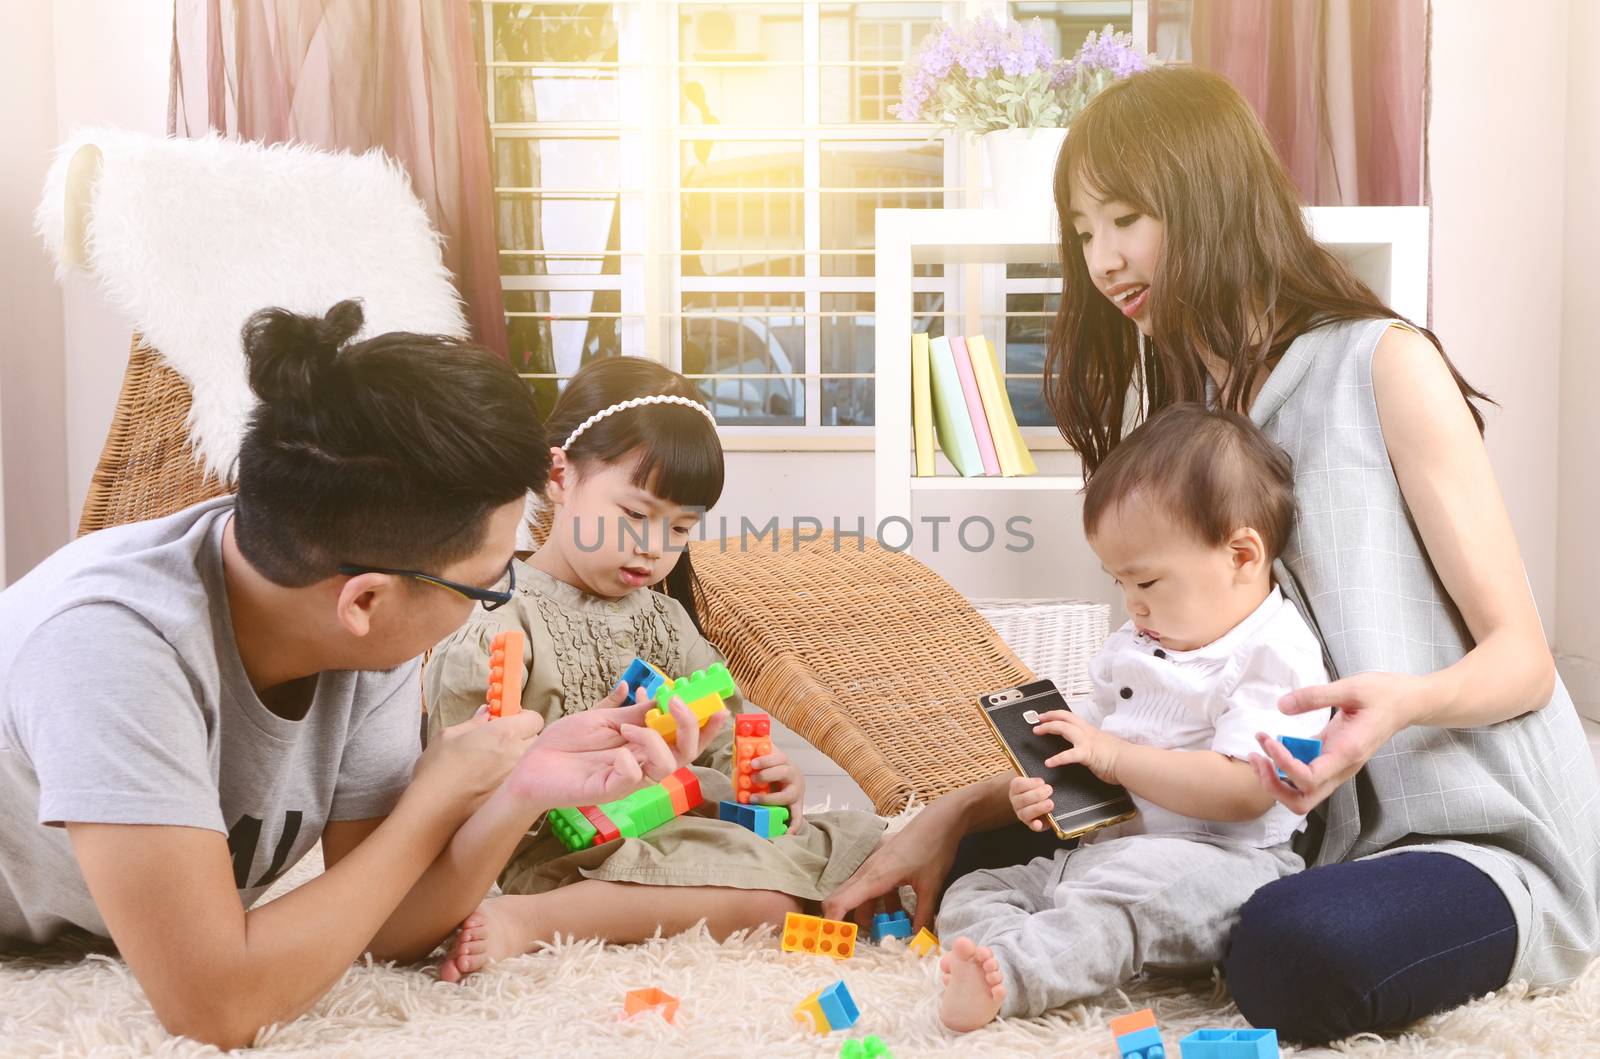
{"type": "Point", "coordinates": [1083, 801]}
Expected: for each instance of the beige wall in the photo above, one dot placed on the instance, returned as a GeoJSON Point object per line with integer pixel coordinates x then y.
{"type": "Point", "coordinates": [1578, 511]}
{"type": "Point", "coordinates": [32, 379]}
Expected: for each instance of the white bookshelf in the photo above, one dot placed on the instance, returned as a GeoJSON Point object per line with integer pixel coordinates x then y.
{"type": "Point", "coordinates": [1387, 246]}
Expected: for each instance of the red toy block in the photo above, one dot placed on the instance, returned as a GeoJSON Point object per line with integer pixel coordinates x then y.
{"type": "Point", "coordinates": [1139, 1020]}
{"type": "Point", "coordinates": [691, 786]}
{"type": "Point", "coordinates": [752, 739]}
{"type": "Point", "coordinates": [505, 674]}
{"type": "Point", "coordinates": [651, 999]}
{"type": "Point", "coordinates": [605, 830]}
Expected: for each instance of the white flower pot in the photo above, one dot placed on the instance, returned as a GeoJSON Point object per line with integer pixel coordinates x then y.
{"type": "Point", "coordinates": [1021, 166]}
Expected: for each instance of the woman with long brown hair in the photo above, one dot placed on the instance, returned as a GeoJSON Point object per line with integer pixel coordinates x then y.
{"type": "Point", "coordinates": [1455, 837]}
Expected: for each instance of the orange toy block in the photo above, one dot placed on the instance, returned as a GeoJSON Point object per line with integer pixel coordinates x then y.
{"type": "Point", "coordinates": [752, 738]}
{"type": "Point", "coordinates": [675, 791]}
{"type": "Point", "coordinates": [1139, 1020]}
{"type": "Point", "coordinates": [505, 674]}
{"type": "Point", "coordinates": [651, 999]}
{"type": "Point", "coordinates": [825, 937]}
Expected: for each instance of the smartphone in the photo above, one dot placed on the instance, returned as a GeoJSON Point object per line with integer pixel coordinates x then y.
{"type": "Point", "coordinates": [1083, 801]}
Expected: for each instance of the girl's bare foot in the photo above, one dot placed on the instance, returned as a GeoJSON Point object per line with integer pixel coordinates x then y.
{"type": "Point", "coordinates": [492, 932]}
{"type": "Point", "coordinates": [973, 987]}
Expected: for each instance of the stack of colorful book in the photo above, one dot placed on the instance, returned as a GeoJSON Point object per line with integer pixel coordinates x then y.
{"type": "Point", "coordinates": [959, 394]}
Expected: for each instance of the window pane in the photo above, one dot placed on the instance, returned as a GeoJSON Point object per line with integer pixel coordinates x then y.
{"type": "Point", "coordinates": [882, 33]}
{"type": "Point", "coordinates": [1066, 24]}
{"type": "Point", "coordinates": [902, 168]}
{"type": "Point", "coordinates": [554, 33]}
{"type": "Point", "coordinates": [563, 344]}
{"type": "Point", "coordinates": [770, 340]}
{"type": "Point", "coordinates": [753, 94]}
{"type": "Point", "coordinates": [529, 95]}
{"type": "Point", "coordinates": [549, 220]}
{"type": "Point", "coordinates": [742, 233]}
{"type": "Point", "coordinates": [1026, 338]}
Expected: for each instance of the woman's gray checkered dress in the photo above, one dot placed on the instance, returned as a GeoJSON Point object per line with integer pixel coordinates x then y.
{"type": "Point", "coordinates": [1519, 799]}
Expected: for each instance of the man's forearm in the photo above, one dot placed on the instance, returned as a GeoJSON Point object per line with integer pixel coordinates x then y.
{"type": "Point", "coordinates": [986, 804]}
{"type": "Point", "coordinates": [456, 881]}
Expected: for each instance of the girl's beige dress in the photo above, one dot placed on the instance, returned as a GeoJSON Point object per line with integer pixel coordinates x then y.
{"type": "Point", "coordinates": [577, 648]}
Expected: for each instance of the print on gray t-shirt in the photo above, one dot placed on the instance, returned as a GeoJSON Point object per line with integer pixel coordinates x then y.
{"type": "Point", "coordinates": [123, 701]}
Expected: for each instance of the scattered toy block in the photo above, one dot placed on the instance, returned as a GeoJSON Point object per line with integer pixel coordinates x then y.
{"type": "Point", "coordinates": [891, 925]}
{"type": "Point", "coordinates": [813, 934]}
{"type": "Point", "coordinates": [828, 1009]}
{"type": "Point", "coordinates": [752, 738]}
{"type": "Point", "coordinates": [1305, 750]}
{"type": "Point", "coordinates": [1137, 1036]}
{"type": "Point", "coordinates": [1230, 1044]}
{"type": "Point", "coordinates": [924, 943]}
{"type": "Point", "coordinates": [869, 1047]}
{"type": "Point", "coordinates": [651, 999]}
{"type": "Point", "coordinates": [505, 674]}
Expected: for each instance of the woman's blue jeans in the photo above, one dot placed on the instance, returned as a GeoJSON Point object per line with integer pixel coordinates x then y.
{"type": "Point", "coordinates": [1345, 948]}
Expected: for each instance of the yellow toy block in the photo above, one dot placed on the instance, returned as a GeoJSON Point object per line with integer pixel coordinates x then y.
{"type": "Point", "coordinates": [813, 934]}
{"type": "Point", "coordinates": [924, 943]}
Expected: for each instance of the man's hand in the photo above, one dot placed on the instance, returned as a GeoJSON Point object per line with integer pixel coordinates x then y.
{"type": "Point", "coordinates": [467, 762]}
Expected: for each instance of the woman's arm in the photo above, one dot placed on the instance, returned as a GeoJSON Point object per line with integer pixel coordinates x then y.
{"type": "Point", "coordinates": [1449, 486]}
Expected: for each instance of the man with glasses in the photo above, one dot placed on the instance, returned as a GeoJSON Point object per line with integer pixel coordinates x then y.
{"type": "Point", "coordinates": [189, 704]}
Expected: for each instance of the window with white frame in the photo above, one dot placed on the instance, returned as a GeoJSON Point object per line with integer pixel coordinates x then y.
{"type": "Point", "coordinates": [697, 181]}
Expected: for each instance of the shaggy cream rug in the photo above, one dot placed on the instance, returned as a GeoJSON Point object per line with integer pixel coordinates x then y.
{"type": "Point", "coordinates": [735, 1003]}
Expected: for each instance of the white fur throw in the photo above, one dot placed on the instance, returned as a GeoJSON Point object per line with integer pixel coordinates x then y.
{"type": "Point", "coordinates": [189, 237]}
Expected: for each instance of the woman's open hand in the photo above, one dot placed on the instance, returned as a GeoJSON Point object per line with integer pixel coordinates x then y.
{"type": "Point", "coordinates": [1368, 709]}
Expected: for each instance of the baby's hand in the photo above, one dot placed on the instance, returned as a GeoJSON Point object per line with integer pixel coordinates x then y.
{"type": "Point", "coordinates": [1090, 746]}
{"type": "Point", "coordinates": [787, 783]}
{"type": "Point", "coordinates": [1030, 799]}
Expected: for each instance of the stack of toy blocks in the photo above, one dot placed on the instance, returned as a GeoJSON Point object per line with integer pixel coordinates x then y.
{"type": "Point", "coordinates": [869, 1047]}
{"type": "Point", "coordinates": [1137, 1036]}
{"type": "Point", "coordinates": [505, 674]}
{"type": "Point", "coordinates": [891, 925]}
{"type": "Point", "coordinates": [768, 821]}
{"type": "Point", "coordinates": [752, 738]}
{"type": "Point", "coordinates": [637, 814]}
{"type": "Point", "coordinates": [1230, 1044]}
{"type": "Point", "coordinates": [651, 999]}
{"type": "Point", "coordinates": [924, 943]}
{"type": "Point", "coordinates": [641, 674]}
{"type": "Point", "coordinates": [703, 692]}
{"type": "Point", "coordinates": [826, 937]}
{"type": "Point", "coordinates": [828, 1009]}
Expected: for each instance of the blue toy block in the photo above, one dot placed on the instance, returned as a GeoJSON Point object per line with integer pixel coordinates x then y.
{"type": "Point", "coordinates": [1142, 1044]}
{"type": "Point", "coordinates": [891, 926]}
{"type": "Point", "coordinates": [1230, 1044]}
{"type": "Point", "coordinates": [1306, 750]}
{"type": "Point", "coordinates": [641, 674]}
{"type": "Point", "coordinates": [757, 818]}
{"type": "Point", "coordinates": [839, 1006]}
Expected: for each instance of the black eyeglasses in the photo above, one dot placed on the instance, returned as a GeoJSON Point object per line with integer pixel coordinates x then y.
{"type": "Point", "coordinates": [491, 598]}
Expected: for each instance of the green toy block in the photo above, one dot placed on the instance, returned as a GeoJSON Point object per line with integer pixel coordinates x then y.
{"type": "Point", "coordinates": [869, 1047]}
{"type": "Point", "coordinates": [777, 820]}
{"type": "Point", "coordinates": [572, 828]}
{"type": "Point", "coordinates": [713, 680]}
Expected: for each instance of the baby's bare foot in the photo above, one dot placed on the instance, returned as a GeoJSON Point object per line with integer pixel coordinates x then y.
{"type": "Point", "coordinates": [490, 933]}
{"type": "Point", "coordinates": [973, 987]}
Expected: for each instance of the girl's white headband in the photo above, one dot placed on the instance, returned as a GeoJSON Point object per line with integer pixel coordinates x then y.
{"type": "Point", "coordinates": [637, 402]}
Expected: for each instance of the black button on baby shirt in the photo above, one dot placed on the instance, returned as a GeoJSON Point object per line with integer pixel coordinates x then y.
{"type": "Point", "coordinates": [1126, 693]}
{"type": "Point", "coordinates": [1160, 653]}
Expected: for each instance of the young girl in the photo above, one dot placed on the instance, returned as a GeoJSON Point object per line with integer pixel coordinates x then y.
{"type": "Point", "coordinates": [1456, 840]}
{"type": "Point", "coordinates": [636, 462]}
{"type": "Point", "coordinates": [1188, 514]}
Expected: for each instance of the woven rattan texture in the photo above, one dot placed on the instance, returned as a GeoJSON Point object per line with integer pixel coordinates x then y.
{"type": "Point", "coordinates": [147, 468]}
{"type": "Point", "coordinates": [867, 654]}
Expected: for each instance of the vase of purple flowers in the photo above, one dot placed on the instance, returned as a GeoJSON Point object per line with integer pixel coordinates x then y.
{"type": "Point", "coordinates": [1004, 83]}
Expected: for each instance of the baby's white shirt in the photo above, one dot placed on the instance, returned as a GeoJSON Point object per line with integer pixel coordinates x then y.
{"type": "Point", "coordinates": [1216, 697]}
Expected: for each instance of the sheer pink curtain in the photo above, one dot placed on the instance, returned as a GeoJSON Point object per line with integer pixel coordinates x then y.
{"type": "Point", "coordinates": [1340, 85]}
{"type": "Point", "coordinates": [351, 75]}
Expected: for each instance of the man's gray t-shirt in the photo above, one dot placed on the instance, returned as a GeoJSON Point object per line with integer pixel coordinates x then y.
{"type": "Point", "coordinates": [123, 700]}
